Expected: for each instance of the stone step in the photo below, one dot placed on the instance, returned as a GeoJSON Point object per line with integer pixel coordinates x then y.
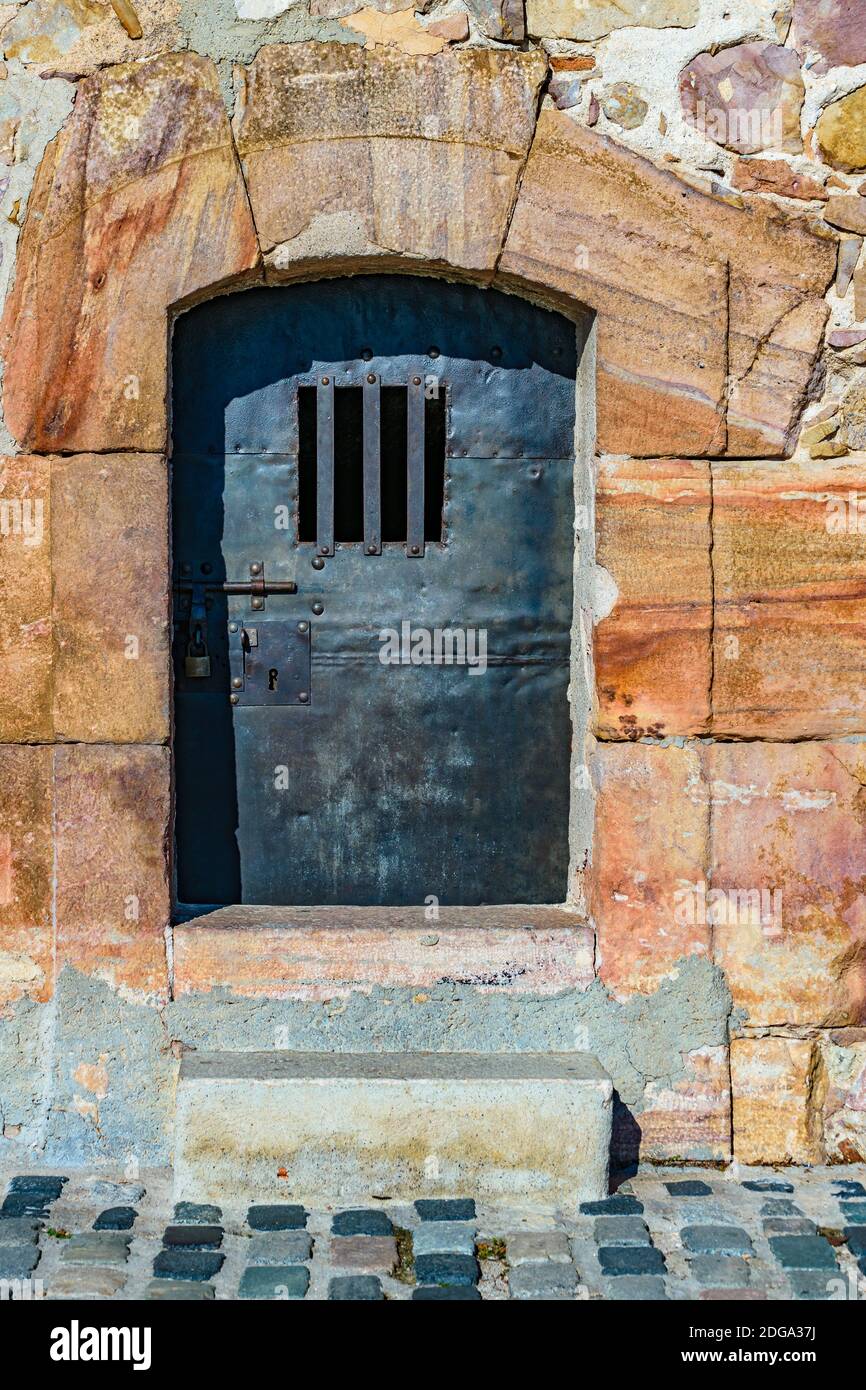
{"type": "Point", "coordinates": [343, 1126]}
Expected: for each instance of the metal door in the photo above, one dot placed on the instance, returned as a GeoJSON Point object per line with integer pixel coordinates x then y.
{"type": "Point", "coordinates": [351, 457]}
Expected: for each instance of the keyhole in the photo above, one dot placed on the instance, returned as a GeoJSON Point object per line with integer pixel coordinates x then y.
{"type": "Point", "coordinates": [272, 678]}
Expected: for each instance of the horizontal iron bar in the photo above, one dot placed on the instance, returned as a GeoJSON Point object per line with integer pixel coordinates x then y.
{"type": "Point", "coordinates": [246, 586]}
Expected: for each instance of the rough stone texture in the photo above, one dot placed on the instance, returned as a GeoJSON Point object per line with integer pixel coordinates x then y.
{"type": "Point", "coordinates": [110, 570]}
{"type": "Point", "coordinates": [842, 1087]}
{"type": "Point", "coordinates": [772, 1080]}
{"type": "Point", "coordinates": [138, 204]}
{"type": "Point", "coordinates": [847, 212]}
{"type": "Point", "coordinates": [369, 1123]}
{"type": "Point", "coordinates": [790, 581]}
{"type": "Point", "coordinates": [112, 899]}
{"type": "Point", "coordinates": [26, 935]}
{"type": "Point", "coordinates": [650, 839]}
{"type": "Point", "coordinates": [775, 336]}
{"type": "Point", "coordinates": [652, 651]}
{"type": "Point", "coordinates": [833, 29]}
{"type": "Point", "coordinates": [841, 131]}
{"type": "Point", "coordinates": [788, 819]}
{"type": "Point", "coordinates": [747, 97]}
{"type": "Point", "coordinates": [401, 31]}
{"type": "Point", "coordinates": [661, 349]}
{"type": "Point", "coordinates": [82, 35]}
{"type": "Point", "coordinates": [502, 20]}
{"type": "Point", "coordinates": [25, 600]}
{"type": "Point", "coordinates": [384, 155]}
{"type": "Point", "coordinates": [591, 19]}
{"type": "Point", "coordinates": [689, 1117]}
{"type": "Point", "coordinates": [624, 105]}
{"type": "Point", "coordinates": [776, 176]}
{"type": "Point", "coordinates": [667, 368]}
{"type": "Point", "coordinates": [313, 953]}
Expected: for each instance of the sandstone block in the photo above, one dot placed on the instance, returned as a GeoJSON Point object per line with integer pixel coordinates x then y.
{"type": "Point", "coordinates": [112, 898]}
{"type": "Point", "coordinates": [790, 599]}
{"type": "Point", "coordinates": [843, 1095]}
{"type": "Point", "coordinates": [26, 935]}
{"type": "Point", "coordinates": [350, 152]}
{"type": "Point", "coordinates": [650, 847]}
{"type": "Point", "coordinates": [138, 204]}
{"type": "Point", "coordinates": [25, 600]}
{"type": "Point", "coordinates": [652, 652]}
{"type": "Point", "coordinates": [111, 601]}
{"type": "Point", "coordinates": [772, 1080]}
{"type": "Point", "coordinates": [788, 853]}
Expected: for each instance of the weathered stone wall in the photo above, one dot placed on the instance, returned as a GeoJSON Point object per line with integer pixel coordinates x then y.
{"type": "Point", "coordinates": [691, 171]}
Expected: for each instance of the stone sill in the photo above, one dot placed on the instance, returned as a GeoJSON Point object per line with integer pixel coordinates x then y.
{"type": "Point", "coordinates": [326, 952]}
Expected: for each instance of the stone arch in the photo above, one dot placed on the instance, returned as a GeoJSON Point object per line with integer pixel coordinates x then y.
{"type": "Point", "coordinates": [342, 159]}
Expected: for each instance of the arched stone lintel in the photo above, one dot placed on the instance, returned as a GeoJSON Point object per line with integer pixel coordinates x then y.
{"type": "Point", "coordinates": [710, 317]}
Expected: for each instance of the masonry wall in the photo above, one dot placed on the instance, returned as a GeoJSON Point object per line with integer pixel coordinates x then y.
{"type": "Point", "coordinates": [695, 181]}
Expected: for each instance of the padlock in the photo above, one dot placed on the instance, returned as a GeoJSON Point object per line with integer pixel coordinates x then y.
{"type": "Point", "coordinates": [196, 664]}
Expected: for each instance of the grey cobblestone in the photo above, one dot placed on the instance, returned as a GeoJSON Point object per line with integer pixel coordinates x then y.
{"type": "Point", "coordinates": [716, 1240]}
{"type": "Point", "coordinates": [444, 1238]}
{"type": "Point", "coordinates": [789, 1226]}
{"type": "Point", "coordinates": [512, 1238]}
{"type": "Point", "coordinates": [803, 1252]}
{"type": "Point", "coordinates": [18, 1261]}
{"type": "Point", "coordinates": [274, 1281]}
{"type": "Point", "coordinates": [621, 1230]}
{"type": "Point", "coordinates": [96, 1248]}
{"type": "Point", "coordinates": [527, 1247]}
{"type": "Point", "coordinates": [720, 1271]}
{"type": "Point", "coordinates": [285, 1217]}
{"type": "Point", "coordinates": [447, 1269]}
{"type": "Point", "coordinates": [362, 1223]}
{"type": "Point", "coordinates": [280, 1248]}
{"type": "Point", "coordinates": [546, 1280]}
{"type": "Point", "coordinates": [356, 1288]}
{"type": "Point", "coordinates": [638, 1259]}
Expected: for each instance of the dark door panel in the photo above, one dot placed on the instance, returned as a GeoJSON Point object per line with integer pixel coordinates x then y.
{"type": "Point", "coordinates": [309, 771]}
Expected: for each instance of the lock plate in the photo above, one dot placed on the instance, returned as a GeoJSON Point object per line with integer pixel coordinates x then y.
{"type": "Point", "coordinates": [272, 660]}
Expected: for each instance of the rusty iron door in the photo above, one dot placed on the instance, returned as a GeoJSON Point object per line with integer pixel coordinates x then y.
{"type": "Point", "coordinates": [373, 550]}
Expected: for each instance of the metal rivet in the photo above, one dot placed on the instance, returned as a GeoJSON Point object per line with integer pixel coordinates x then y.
{"type": "Point", "coordinates": [416, 550]}
{"type": "Point", "coordinates": [257, 603]}
{"type": "Point", "coordinates": [326, 381]}
{"type": "Point", "coordinates": [324, 550]}
{"type": "Point", "coordinates": [317, 562]}
{"type": "Point", "coordinates": [234, 699]}
{"type": "Point", "coordinates": [303, 697]}
{"type": "Point", "coordinates": [416, 381]}
{"type": "Point", "coordinates": [303, 627]}
{"type": "Point", "coordinates": [233, 627]}
{"type": "Point", "coordinates": [371, 379]}
{"type": "Point", "coordinates": [317, 608]}
{"type": "Point", "coordinates": [207, 568]}
{"type": "Point", "coordinates": [371, 550]}
{"type": "Point", "coordinates": [367, 354]}
{"type": "Point", "coordinates": [237, 683]}
{"type": "Point", "coordinates": [433, 352]}
{"type": "Point", "coordinates": [255, 568]}
{"type": "Point", "coordinates": [186, 569]}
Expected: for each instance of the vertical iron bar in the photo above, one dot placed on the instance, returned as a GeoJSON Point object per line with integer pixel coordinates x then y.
{"type": "Point", "coordinates": [372, 465]}
{"type": "Point", "coordinates": [325, 466]}
{"type": "Point", "coordinates": [415, 467]}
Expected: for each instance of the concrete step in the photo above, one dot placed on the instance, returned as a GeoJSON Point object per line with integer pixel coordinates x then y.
{"type": "Point", "coordinates": [343, 1126]}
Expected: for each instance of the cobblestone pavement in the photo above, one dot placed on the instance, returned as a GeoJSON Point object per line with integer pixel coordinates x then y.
{"type": "Point", "coordinates": [665, 1234]}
